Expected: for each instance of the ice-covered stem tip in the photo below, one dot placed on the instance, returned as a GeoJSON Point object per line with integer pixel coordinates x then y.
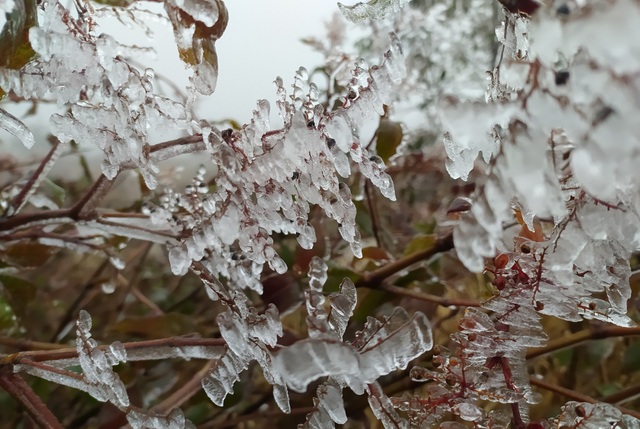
{"type": "Point", "coordinates": [372, 10]}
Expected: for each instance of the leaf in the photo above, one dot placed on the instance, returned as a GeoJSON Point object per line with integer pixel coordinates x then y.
{"type": "Point", "coordinates": [19, 293]}
{"type": "Point", "coordinates": [196, 26]}
{"type": "Point", "coordinates": [166, 325]}
{"type": "Point", "coordinates": [27, 254]}
{"type": "Point", "coordinates": [420, 243]}
{"type": "Point", "coordinates": [15, 49]}
{"type": "Point", "coordinates": [389, 136]}
{"type": "Point", "coordinates": [631, 359]}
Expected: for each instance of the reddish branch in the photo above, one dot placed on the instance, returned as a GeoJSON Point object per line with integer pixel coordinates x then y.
{"type": "Point", "coordinates": [15, 386]}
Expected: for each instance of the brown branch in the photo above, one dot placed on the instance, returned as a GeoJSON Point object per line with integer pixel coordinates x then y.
{"type": "Point", "coordinates": [579, 337]}
{"type": "Point", "coordinates": [576, 396]}
{"type": "Point", "coordinates": [85, 206]}
{"type": "Point", "coordinates": [624, 395]}
{"type": "Point", "coordinates": [28, 344]}
{"type": "Point", "coordinates": [373, 213]}
{"type": "Point", "coordinates": [15, 386]}
{"type": "Point", "coordinates": [234, 422]}
{"type": "Point", "coordinates": [185, 392]}
{"type": "Point", "coordinates": [446, 302]}
{"type": "Point", "coordinates": [374, 279]}
{"type": "Point", "coordinates": [23, 196]}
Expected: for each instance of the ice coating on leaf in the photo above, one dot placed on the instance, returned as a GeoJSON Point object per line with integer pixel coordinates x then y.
{"type": "Point", "coordinates": [308, 360]}
{"type": "Point", "coordinates": [174, 420]}
{"type": "Point", "coordinates": [383, 409]}
{"type": "Point", "coordinates": [197, 24]}
{"type": "Point", "coordinates": [389, 346]}
{"type": "Point", "coordinates": [105, 385]}
{"type": "Point", "coordinates": [398, 346]}
{"type": "Point", "coordinates": [373, 9]}
{"type": "Point", "coordinates": [218, 383]}
{"type": "Point", "coordinates": [469, 127]}
{"type": "Point", "coordinates": [592, 416]}
{"type": "Point", "coordinates": [329, 408]}
{"type": "Point", "coordinates": [15, 127]}
{"type": "Point", "coordinates": [342, 305]}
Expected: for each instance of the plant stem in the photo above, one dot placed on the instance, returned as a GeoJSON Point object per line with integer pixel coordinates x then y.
{"type": "Point", "coordinates": [374, 279]}
{"type": "Point", "coordinates": [579, 337]}
{"type": "Point", "coordinates": [576, 396]}
{"type": "Point", "coordinates": [15, 386]}
{"type": "Point", "coordinates": [446, 302]}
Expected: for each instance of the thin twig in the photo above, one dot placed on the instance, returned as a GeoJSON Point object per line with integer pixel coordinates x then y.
{"type": "Point", "coordinates": [373, 213]}
{"type": "Point", "coordinates": [185, 392]}
{"type": "Point", "coordinates": [446, 302]}
{"type": "Point", "coordinates": [579, 337]}
{"type": "Point", "coordinates": [15, 386]}
{"type": "Point", "coordinates": [72, 353]}
{"type": "Point", "coordinates": [576, 396]}
{"type": "Point", "coordinates": [34, 181]}
{"type": "Point", "coordinates": [374, 279]}
{"type": "Point", "coordinates": [29, 345]}
{"type": "Point", "coordinates": [624, 395]}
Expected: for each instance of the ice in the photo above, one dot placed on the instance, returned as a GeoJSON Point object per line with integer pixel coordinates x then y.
{"type": "Point", "coordinates": [179, 260]}
{"type": "Point", "coordinates": [308, 360]}
{"type": "Point", "coordinates": [342, 305]}
{"type": "Point", "coordinates": [374, 9]}
{"type": "Point", "coordinates": [201, 10]}
{"type": "Point", "coordinates": [220, 380]}
{"type": "Point", "coordinates": [15, 127]}
{"type": "Point", "coordinates": [398, 347]}
{"type": "Point", "coordinates": [467, 411]}
{"type": "Point", "coordinates": [317, 273]}
{"type": "Point", "coordinates": [139, 419]}
{"type": "Point", "coordinates": [383, 409]}
{"type": "Point", "coordinates": [117, 263]}
{"type": "Point", "coordinates": [96, 365]}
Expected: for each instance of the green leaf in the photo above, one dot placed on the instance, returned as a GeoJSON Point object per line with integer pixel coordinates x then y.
{"type": "Point", "coordinates": [336, 274]}
{"type": "Point", "coordinates": [631, 360]}
{"type": "Point", "coordinates": [389, 137]}
{"type": "Point", "coordinates": [420, 243]}
{"type": "Point", "coordinates": [18, 292]}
